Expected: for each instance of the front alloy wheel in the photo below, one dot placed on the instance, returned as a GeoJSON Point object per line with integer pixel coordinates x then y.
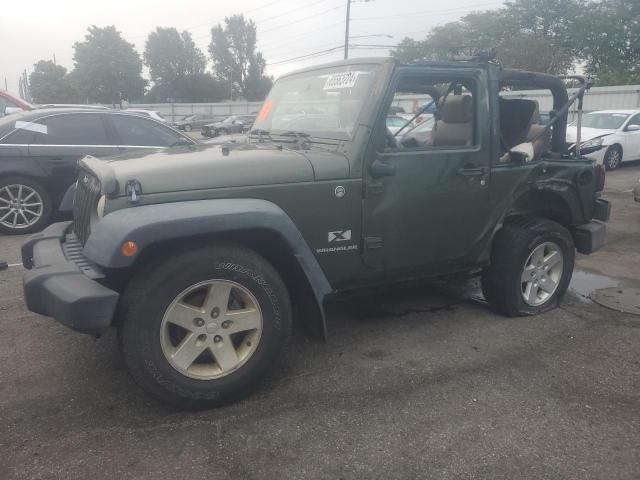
{"type": "Point", "coordinates": [202, 328]}
{"type": "Point", "coordinates": [211, 329]}
{"type": "Point", "coordinates": [24, 206]}
{"type": "Point", "coordinates": [612, 158]}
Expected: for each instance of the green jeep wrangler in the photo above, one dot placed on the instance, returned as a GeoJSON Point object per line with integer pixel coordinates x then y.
{"type": "Point", "coordinates": [201, 256]}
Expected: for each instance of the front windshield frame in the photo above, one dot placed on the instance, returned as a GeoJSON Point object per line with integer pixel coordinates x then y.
{"type": "Point", "coordinates": [586, 123]}
{"type": "Point", "coordinates": [320, 86]}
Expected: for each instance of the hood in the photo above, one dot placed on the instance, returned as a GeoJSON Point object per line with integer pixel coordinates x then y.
{"type": "Point", "coordinates": [203, 167]}
{"type": "Point", "coordinates": [586, 134]}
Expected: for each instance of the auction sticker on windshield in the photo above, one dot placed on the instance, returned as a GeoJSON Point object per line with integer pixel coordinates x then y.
{"type": "Point", "coordinates": [341, 80]}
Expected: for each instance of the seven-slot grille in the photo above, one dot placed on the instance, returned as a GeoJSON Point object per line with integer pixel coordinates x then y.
{"type": "Point", "coordinates": [84, 204]}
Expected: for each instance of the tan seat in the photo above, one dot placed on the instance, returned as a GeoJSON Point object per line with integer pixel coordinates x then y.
{"type": "Point", "coordinates": [454, 127]}
{"type": "Point", "coordinates": [542, 144]}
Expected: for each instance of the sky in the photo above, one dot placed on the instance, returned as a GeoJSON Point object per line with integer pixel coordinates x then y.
{"type": "Point", "coordinates": [288, 31]}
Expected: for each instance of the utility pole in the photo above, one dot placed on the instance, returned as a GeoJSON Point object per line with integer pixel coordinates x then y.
{"type": "Point", "coordinates": [346, 31]}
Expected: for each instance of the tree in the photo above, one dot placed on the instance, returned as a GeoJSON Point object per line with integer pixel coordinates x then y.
{"type": "Point", "coordinates": [527, 34]}
{"type": "Point", "coordinates": [177, 68]}
{"type": "Point", "coordinates": [107, 67]}
{"type": "Point", "coordinates": [607, 36]}
{"type": "Point", "coordinates": [235, 59]}
{"type": "Point", "coordinates": [50, 83]}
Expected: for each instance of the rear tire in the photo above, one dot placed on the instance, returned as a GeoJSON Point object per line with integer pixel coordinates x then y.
{"type": "Point", "coordinates": [526, 277]}
{"type": "Point", "coordinates": [612, 157]}
{"type": "Point", "coordinates": [25, 206]}
{"type": "Point", "coordinates": [155, 307]}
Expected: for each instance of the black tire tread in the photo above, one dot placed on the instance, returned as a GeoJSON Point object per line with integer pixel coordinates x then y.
{"type": "Point", "coordinates": [507, 259]}
{"type": "Point", "coordinates": [139, 291]}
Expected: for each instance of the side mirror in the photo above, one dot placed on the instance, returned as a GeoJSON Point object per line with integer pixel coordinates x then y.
{"type": "Point", "coordinates": [522, 153]}
{"type": "Point", "coordinates": [633, 128]}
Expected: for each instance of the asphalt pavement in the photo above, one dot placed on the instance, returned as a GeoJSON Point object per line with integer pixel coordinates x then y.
{"type": "Point", "coordinates": [416, 381]}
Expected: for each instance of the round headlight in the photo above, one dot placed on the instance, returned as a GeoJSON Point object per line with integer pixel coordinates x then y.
{"type": "Point", "coordinates": [100, 208]}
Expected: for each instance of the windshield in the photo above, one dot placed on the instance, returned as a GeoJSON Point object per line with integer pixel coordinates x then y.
{"type": "Point", "coordinates": [189, 117]}
{"type": "Point", "coordinates": [324, 103]}
{"type": "Point", "coordinates": [607, 121]}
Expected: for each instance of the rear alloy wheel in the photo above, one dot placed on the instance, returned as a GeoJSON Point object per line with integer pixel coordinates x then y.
{"type": "Point", "coordinates": [24, 206]}
{"type": "Point", "coordinates": [203, 328]}
{"type": "Point", "coordinates": [531, 267]}
{"type": "Point", "coordinates": [612, 157]}
{"type": "Point", "coordinates": [187, 128]}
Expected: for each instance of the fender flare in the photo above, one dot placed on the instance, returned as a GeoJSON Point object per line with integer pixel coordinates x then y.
{"type": "Point", "coordinates": [150, 224]}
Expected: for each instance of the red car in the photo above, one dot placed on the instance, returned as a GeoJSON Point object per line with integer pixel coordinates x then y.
{"type": "Point", "coordinates": [10, 104]}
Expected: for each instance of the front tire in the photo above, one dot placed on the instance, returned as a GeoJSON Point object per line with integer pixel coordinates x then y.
{"type": "Point", "coordinates": [612, 157]}
{"type": "Point", "coordinates": [188, 128]}
{"type": "Point", "coordinates": [203, 328]}
{"type": "Point", "coordinates": [25, 206]}
{"type": "Point", "coordinates": [531, 267]}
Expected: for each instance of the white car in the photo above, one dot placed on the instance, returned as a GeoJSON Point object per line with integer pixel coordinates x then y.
{"type": "Point", "coordinates": [147, 113]}
{"type": "Point", "coordinates": [618, 131]}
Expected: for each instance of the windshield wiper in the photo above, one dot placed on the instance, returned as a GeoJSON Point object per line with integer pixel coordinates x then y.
{"type": "Point", "coordinates": [261, 133]}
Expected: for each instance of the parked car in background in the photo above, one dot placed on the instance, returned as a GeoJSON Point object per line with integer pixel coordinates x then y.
{"type": "Point", "coordinates": [39, 150]}
{"type": "Point", "coordinates": [147, 113]}
{"type": "Point", "coordinates": [195, 121]}
{"type": "Point", "coordinates": [232, 124]}
{"type": "Point", "coordinates": [616, 131]}
{"type": "Point", "coordinates": [10, 104]}
{"type": "Point", "coordinates": [71, 105]}
{"type": "Point", "coordinates": [395, 123]}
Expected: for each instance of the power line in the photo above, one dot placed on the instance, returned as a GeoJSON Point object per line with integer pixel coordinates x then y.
{"type": "Point", "coordinates": [431, 12]}
{"type": "Point", "coordinates": [315, 15]}
{"type": "Point", "coordinates": [312, 4]}
{"type": "Point", "coordinates": [305, 34]}
{"type": "Point", "coordinates": [309, 55]}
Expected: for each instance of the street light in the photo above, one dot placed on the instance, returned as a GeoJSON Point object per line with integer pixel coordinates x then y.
{"type": "Point", "coordinates": [346, 31]}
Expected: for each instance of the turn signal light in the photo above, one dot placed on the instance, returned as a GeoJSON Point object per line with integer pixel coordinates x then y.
{"type": "Point", "coordinates": [129, 248]}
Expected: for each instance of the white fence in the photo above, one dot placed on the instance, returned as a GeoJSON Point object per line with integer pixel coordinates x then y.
{"type": "Point", "coordinates": [598, 98]}
{"type": "Point", "coordinates": [175, 111]}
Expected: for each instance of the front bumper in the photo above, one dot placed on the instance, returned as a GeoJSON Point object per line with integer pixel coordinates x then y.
{"type": "Point", "coordinates": [61, 283]}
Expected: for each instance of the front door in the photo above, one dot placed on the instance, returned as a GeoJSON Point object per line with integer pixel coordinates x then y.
{"type": "Point", "coordinates": [428, 206]}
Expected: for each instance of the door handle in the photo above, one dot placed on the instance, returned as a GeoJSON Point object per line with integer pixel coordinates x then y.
{"type": "Point", "coordinates": [473, 171]}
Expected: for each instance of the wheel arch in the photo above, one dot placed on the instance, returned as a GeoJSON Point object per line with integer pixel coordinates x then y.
{"type": "Point", "coordinates": [256, 224]}
{"type": "Point", "coordinates": [544, 204]}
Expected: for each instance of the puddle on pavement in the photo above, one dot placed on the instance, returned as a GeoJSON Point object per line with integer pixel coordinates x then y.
{"type": "Point", "coordinates": [583, 284]}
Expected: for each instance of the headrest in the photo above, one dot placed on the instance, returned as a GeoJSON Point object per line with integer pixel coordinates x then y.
{"type": "Point", "coordinates": [456, 109]}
